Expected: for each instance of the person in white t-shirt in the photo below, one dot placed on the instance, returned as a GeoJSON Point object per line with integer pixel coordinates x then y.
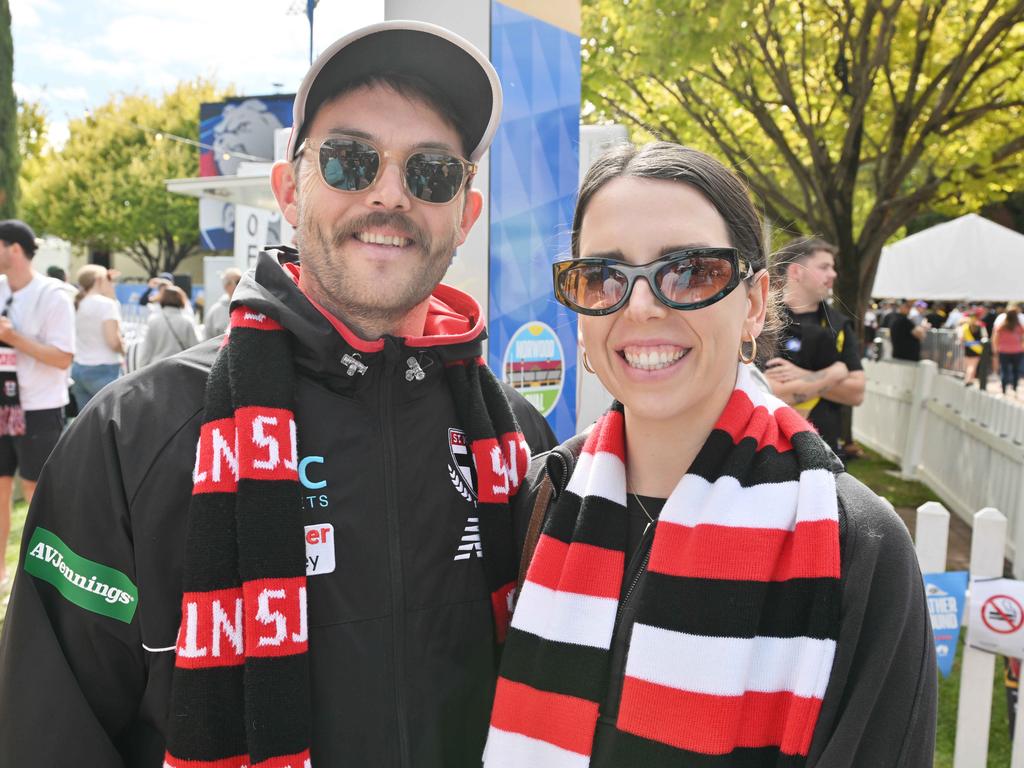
{"type": "Point", "coordinates": [98, 344]}
{"type": "Point", "coordinates": [37, 327]}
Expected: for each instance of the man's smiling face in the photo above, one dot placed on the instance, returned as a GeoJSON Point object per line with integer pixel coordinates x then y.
{"type": "Point", "coordinates": [372, 257]}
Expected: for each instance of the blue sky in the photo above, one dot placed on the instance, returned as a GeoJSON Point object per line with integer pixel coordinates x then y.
{"type": "Point", "coordinates": [72, 55]}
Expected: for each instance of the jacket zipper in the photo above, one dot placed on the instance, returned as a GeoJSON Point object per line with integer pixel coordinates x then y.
{"type": "Point", "coordinates": [394, 549]}
{"type": "Point", "coordinates": [621, 626]}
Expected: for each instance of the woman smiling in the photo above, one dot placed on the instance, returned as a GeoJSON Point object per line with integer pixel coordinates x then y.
{"type": "Point", "coordinates": [709, 587]}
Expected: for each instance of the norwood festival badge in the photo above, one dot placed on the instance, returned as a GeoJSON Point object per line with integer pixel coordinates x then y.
{"type": "Point", "coordinates": [996, 617]}
{"type": "Point", "coordinates": [945, 595]}
{"type": "Point", "coordinates": [535, 365]}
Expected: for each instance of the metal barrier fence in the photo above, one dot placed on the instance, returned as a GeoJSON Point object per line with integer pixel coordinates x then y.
{"type": "Point", "coordinates": [943, 347]}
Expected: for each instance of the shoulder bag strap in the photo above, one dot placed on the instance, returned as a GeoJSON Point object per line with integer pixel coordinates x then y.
{"type": "Point", "coordinates": [170, 327]}
{"type": "Point", "coordinates": [545, 495]}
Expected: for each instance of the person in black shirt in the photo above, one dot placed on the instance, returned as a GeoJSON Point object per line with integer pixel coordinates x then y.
{"type": "Point", "coordinates": [905, 335]}
{"type": "Point", "coordinates": [818, 370]}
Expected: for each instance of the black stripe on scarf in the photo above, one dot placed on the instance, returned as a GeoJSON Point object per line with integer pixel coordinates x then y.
{"type": "Point", "coordinates": [247, 704]}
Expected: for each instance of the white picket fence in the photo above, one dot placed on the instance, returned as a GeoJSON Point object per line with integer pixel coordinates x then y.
{"type": "Point", "coordinates": [967, 445]}
{"type": "Point", "coordinates": [974, 709]}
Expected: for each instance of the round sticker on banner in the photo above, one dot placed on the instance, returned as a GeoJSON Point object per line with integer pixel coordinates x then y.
{"type": "Point", "coordinates": [535, 365]}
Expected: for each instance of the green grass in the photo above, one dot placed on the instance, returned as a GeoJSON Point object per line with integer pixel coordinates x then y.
{"type": "Point", "coordinates": [999, 745]}
{"type": "Point", "coordinates": [882, 476]}
{"type": "Point", "coordinates": [11, 553]}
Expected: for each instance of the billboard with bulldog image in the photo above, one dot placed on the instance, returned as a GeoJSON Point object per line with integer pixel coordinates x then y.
{"type": "Point", "coordinates": [232, 131]}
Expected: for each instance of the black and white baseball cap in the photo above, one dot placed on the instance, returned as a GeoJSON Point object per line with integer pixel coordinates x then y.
{"type": "Point", "coordinates": [449, 62]}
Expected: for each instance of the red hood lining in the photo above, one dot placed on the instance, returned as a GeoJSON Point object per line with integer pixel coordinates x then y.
{"type": "Point", "coordinates": [453, 317]}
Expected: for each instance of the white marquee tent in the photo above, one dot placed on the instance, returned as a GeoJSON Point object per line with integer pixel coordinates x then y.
{"type": "Point", "coordinates": [967, 259]}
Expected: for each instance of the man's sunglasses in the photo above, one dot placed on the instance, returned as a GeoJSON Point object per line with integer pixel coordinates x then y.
{"type": "Point", "coordinates": [689, 279]}
{"type": "Point", "coordinates": [350, 164]}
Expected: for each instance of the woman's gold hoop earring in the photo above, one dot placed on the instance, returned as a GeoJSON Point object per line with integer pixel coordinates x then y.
{"type": "Point", "coordinates": [586, 363]}
{"type": "Point", "coordinates": [753, 351]}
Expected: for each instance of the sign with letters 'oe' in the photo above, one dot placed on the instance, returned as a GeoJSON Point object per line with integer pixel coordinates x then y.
{"type": "Point", "coordinates": [996, 619]}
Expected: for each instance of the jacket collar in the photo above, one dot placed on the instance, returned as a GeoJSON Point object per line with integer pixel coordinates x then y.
{"type": "Point", "coordinates": [454, 329]}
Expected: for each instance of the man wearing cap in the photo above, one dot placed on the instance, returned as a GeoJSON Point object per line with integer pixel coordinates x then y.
{"type": "Point", "coordinates": [297, 550]}
{"type": "Point", "coordinates": [818, 370]}
{"type": "Point", "coordinates": [37, 344]}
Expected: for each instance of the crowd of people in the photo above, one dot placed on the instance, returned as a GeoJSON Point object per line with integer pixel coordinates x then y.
{"type": "Point", "coordinates": [979, 328]}
{"type": "Point", "coordinates": [323, 540]}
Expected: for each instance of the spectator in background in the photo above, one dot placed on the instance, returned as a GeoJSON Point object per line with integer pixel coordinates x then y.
{"type": "Point", "coordinates": [58, 274]}
{"type": "Point", "coordinates": [1008, 344]}
{"type": "Point", "coordinates": [170, 330]}
{"type": "Point", "coordinates": [818, 369]}
{"type": "Point", "coordinates": [937, 315]}
{"type": "Point", "coordinates": [905, 334]}
{"type": "Point", "coordinates": [37, 344]}
{"type": "Point", "coordinates": [219, 313]}
{"type": "Point", "coordinates": [98, 343]}
{"type": "Point", "coordinates": [973, 335]}
{"type": "Point", "coordinates": [953, 321]}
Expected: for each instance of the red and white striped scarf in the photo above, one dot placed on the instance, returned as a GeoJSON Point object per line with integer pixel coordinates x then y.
{"type": "Point", "coordinates": [737, 618]}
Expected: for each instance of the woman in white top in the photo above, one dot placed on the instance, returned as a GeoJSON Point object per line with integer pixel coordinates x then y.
{"type": "Point", "coordinates": [97, 332]}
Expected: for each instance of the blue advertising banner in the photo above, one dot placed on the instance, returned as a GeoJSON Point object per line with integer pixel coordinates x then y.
{"type": "Point", "coordinates": [534, 177]}
{"type": "Point", "coordinates": [232, 131]}
{"type": "Point", "coordinates": [945, 594]}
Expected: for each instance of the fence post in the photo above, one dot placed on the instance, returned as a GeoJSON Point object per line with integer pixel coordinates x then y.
{"type": "Point", "coordinates": [931, 537]}
{"type": "Point", "coordinates": [925, 375]}
{"type": "Point", "coordinates": [974, 710]}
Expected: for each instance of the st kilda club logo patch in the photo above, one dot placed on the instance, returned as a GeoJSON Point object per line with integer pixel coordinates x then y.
{"type": "Point", "coordinates": [461, 470]}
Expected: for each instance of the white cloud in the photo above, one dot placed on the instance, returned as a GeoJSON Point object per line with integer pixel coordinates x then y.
{"type": "Point", "coordinates": [75, 55]}
{"type": "Point", "coordinates": [41, 93]}
{"type": "Point", "coordinates": [25, 14]}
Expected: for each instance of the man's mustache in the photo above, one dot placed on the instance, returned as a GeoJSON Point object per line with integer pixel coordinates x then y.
{"type": "Point", "coordinates": [380, 220]}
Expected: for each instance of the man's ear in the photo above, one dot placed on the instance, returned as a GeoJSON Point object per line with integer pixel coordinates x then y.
{"type": "Point", "coordinates": [793, 271]}
{"type": "Point", "coordinates": [470, 213]}
{"type": "Point", "coordinates": [284, 184]}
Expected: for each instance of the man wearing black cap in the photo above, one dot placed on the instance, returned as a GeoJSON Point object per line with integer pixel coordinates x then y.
{"type": "Point", "coordinates": [37, 343]}
{"type": "Point", "coordinates": [297, 550]}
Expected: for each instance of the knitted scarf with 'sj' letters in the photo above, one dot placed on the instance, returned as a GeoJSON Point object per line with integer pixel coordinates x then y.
{"type": "Point", "coordinates": [240, 694]}
{"type": "Point", "coordinates": [736, 621]}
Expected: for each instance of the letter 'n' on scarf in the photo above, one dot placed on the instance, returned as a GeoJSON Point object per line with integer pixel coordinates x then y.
{"type": "Point", "coordinates": [736, 618]}
{"type": "Point", "coordinates": [240, 693]}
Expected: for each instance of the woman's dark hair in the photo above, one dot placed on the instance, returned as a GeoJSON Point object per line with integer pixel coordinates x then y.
{"type": "Point", "coordinates": [665, 161]}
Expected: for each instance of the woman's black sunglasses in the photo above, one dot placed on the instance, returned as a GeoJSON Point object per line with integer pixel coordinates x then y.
{"type": "Point", "coordinates": [688, 279]}
{"type": "Point", "coordinates": [351, 164]}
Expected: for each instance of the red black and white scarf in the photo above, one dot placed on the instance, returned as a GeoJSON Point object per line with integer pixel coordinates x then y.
{"type": "Point", "coordinates": [240, 694]}
{"type": "Point", "coordinates": [737, 617]}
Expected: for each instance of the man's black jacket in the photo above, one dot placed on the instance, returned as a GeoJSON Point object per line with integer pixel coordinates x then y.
{"type": "Point", "coordinates": [400, 630]}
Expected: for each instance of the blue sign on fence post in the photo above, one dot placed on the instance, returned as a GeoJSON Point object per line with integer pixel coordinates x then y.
{"type": "Point", "coordinates": [945, 593]}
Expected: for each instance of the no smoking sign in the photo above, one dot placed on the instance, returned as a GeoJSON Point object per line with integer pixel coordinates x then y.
{"type": "Point", "coordinates": [997, 617]}
{"type": "Point", "coordinates": [1002, 614]}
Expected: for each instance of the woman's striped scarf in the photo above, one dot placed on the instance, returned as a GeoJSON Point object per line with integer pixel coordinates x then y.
{"type": "Point", "coordinates": [737, 616]}
{"type": "Point", "coordinates": [240, 694]}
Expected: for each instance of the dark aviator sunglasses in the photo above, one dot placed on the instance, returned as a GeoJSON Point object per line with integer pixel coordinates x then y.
{"type": "Point", "coordinates": [687, 279]}
{"type": "Point", "coordinates": [350, 164]}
